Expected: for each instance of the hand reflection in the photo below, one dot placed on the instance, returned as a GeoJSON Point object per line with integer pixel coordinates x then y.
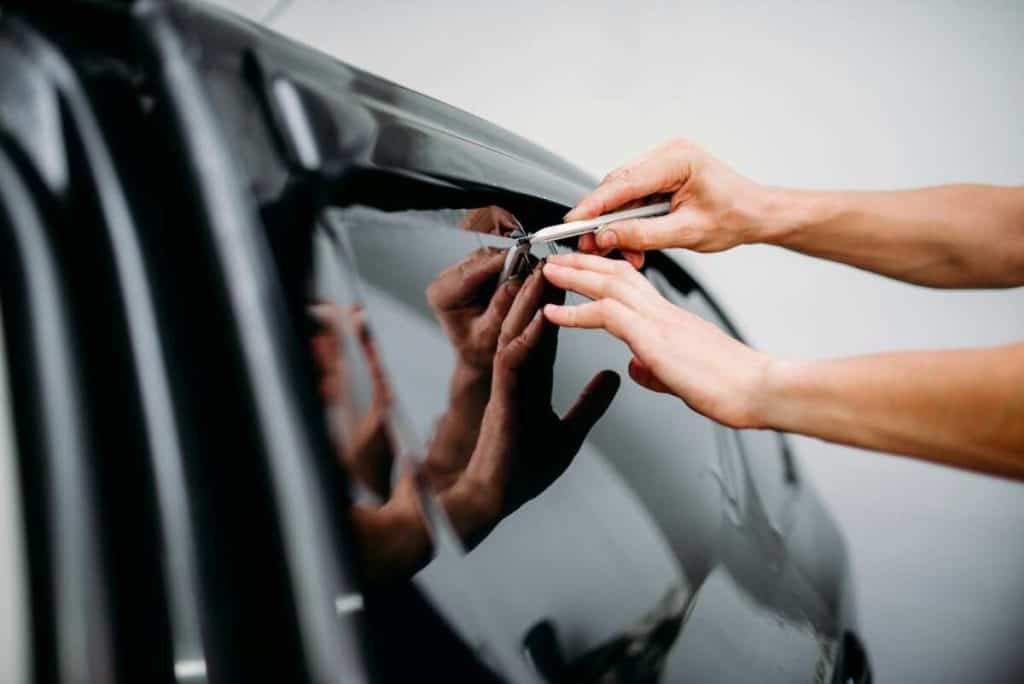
{"type": "Point", "coordinates": [365, 447]}
{"type": "Point", "coordinates": [492, 220]}
{"type": "Point", "coordinates": [523, 445]}
{"type": "Point", "coordinates": [498, 442]}
{"type": "Point", "coordinates": [470, 311]}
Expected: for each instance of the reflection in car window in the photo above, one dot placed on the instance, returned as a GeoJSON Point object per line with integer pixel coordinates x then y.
{"type": "Point", "coordinates": [557, 541]}
{"type": "Point", "coordinates": [448, 411]}
{"type": "Point", "coordinates": [14, 643]}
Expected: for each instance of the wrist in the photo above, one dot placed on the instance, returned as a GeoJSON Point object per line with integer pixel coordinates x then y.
{"type": "Point", "coordinates": [783, 215]}
{"type": "Point", "coordinates": [777, 407]}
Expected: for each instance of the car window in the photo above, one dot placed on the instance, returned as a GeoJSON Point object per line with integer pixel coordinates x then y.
{"type": "Point", "coordinates": [14, 630]}
{"type": "Point", "coordinates": [601, 549]}
{"type": "Point", "coordinates": [760, 452]}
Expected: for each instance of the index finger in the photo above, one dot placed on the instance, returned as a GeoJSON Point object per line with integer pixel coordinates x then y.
{"type": "Point", "coordinates": [645, 176]}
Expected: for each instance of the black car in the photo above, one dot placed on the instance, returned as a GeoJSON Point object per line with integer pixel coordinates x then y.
{"type": "Point", "coordinates": [279, 412]}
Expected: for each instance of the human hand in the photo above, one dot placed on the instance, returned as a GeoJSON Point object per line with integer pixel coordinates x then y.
{"type": "Point", "coordinates": [713, 207]}
{"type": "Point", "coordinates": [674, 351]}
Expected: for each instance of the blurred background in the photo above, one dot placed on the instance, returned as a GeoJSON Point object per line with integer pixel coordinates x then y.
{"type": "Point", "coordinates": [821, 95]}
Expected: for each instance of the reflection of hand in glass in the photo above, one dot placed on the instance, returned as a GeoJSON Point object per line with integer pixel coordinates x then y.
{"type": "Point", "coordinates": [470, 310]}
{"type": "Point", "coordinates": [365, 447]}
{"type": "Point", "coordinates": [391, 534]}
{"type": "Point", "coordinates": [523, 445]}
{"type": "Point", "coordinates": [492, 220]}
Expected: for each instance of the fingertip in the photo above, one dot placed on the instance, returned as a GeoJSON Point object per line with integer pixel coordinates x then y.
{"type": "Point", "coordinates": [635, 259]}
{"type": "Point", "coordinates": [587, 207]}
{"type": "Point", "coordinates": [607, 238]}
{"type": "Point", "coordinates": [611, 379]}
{"type": "Point", "coordinates": [536, 324]}
{"type": "Point", "coordinates": [552, 269]}
{"type": "Point", "coordinates": [575, 213]}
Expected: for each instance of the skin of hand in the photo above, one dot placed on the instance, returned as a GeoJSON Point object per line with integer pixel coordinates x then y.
{"type": "Point", "coordinates": [713, 207]}
{"type": "Point", "coordinates": [673, 350]}
{"type": "Point", "coordinates": [947, 236]}
{"type": "Point", "coordinates": [957, 407]}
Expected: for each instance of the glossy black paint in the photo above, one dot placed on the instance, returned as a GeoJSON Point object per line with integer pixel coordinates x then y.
{"type": "Point", "coordinates": [169, 183]}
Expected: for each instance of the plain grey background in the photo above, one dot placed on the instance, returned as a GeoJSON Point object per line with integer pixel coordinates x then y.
{"type": "Point", "coordinates": [864, 95]}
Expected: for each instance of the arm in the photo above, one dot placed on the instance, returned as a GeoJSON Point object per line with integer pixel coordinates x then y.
{"type": "Point", "coordinates": [963, 408]}
{"type": "Point", "coordinates": [950, 236]}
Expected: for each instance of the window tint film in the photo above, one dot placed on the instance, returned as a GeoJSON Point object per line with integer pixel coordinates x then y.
{"type": "Point", "coordinates": [553, 539]}
{"type": "Point", "coordinates": [570, 542]}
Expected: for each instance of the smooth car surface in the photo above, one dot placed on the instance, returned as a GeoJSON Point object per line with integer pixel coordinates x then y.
{"type": "Point", "coordinates": [275, 418]}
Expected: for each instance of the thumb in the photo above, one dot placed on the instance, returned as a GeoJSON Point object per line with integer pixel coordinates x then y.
{"type": "Point", "coordinates": [593, 401]}
{"type": "Point", "coordinates": [661, 232]}
{"type": "Point", "coordinates": [645, 377]}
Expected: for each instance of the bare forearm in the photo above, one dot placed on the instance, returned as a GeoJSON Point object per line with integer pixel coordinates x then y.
{"type": "Point", "coordinates": [949, 236]}
{"type": "Point", "coordinates": [963, 408]}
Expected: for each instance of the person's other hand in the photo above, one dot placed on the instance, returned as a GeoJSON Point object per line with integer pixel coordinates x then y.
{"type": "Point", "coordinates": [713, 207]}
{"type": "Point", "coordinates": [674, 351]}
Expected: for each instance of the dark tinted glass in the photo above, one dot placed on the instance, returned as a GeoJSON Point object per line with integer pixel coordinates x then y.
{"type": "Point", "coordinates": [551, 549]}
{"type": "Point", "coordinates": [570, 549]}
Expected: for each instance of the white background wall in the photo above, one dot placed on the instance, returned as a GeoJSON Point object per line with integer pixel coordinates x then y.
{"type": "Point", "coordinates": [867, 95]}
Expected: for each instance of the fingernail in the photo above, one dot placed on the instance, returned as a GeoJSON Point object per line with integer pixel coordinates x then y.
{"type": "Point", "coordinates": [514, 284]}
{"type": "Point", "coordinates": [606, 238]}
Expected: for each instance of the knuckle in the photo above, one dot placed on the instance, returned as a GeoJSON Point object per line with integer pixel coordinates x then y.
{"type": "Point", "coordinates": [501, 359]}
{"type": "Point", "coordinates": [643, 240]}
{"type": "Point", "coordinates": [624, 229]}
{"type": "Point", "coordinates": [504, 338]}
{"type": "Point", "coordinates": [616, 175]}
{"type": "Point", "coordinates": [433, 294]}
{"type": "Point", "coordinates": [681, 144]}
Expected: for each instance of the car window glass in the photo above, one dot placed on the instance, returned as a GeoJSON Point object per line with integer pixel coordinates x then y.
{"type": "Point", "coordinates": [758, 451]}
{"type": "Point", "coordinates": [558, 541]}
{"type": "Point", "coordinates": [13, 589]}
